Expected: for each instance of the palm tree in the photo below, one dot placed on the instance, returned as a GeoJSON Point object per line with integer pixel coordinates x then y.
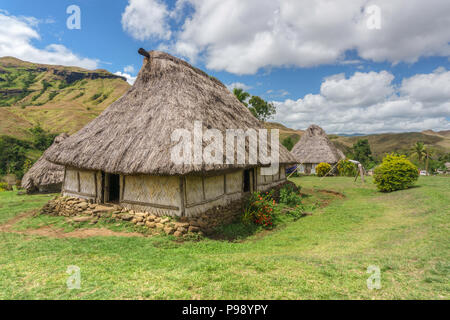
{"type": "Point", "coordinates": [241, 95]}
{"type": "Point", "coordinates": [419, 149]}
{"type": "Point", "coordinates": [427, 153]}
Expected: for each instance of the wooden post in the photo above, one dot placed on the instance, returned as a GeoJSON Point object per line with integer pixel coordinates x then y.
{"type": "Point", "coordinates": [182, 199]}
{"type": "Point", "coordinates": [361, 172]}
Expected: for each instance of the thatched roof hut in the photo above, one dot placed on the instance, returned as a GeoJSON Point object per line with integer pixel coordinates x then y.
{"type": "Point", "coordinates": [313, 148]}
{"type": "Point", "coordinates": [45, 176]}
{"type": "Point", "coordinates": [132, 137]}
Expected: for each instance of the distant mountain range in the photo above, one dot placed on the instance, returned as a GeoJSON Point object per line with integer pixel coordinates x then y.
{"type": "Point", "coordinates": [351, 134]}
{"type": "Point", "coordinates": [64, 99]}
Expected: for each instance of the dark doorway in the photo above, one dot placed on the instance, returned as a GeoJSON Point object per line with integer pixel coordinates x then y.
{"type": "Point", "coordinates": [114, 187]}
{"type": "Point", "coordinates": [247, 180]}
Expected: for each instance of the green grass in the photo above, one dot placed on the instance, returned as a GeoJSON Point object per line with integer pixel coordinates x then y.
{"type": "Point", "coordinates": [323, 256]}
{"type": "Point", "coordinates": [12, 204]}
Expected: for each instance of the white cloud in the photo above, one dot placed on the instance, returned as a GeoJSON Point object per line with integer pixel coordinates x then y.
{"type": "Point", "coordinates": [277, 93]}
{"type": "Point", "coordinates": [238, 85]}
{"type": "Point", "coordinates": [371, 103]}
{"type": "Point", "coordinates": [129, 69]}
{"type": "Point", "coordinates": [129, 77]}
{"type": "Point", "coordinates": [146, 19]}
{"type": "Point", "coordinates": [243, 36]}
{"type": "Point", "coordinates": [16, 34]}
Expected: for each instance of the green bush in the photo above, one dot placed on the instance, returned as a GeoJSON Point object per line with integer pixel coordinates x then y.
{"type": "Point", "coordinates": [395, 173]}
{"type": "Point", "coordinates": [289, 196]}
{"type": "Point", "coordinates": [346, 168]}
{"type": "Point", "coordinates": [3, 186]}
{"type": "Point", "coordinates": [297, 212]}
{"type": "Point", "coordinates": [322, 169]}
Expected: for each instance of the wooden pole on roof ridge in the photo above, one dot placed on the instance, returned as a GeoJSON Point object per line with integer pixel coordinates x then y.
{"type": "Point", "coordinates": [144, 53]}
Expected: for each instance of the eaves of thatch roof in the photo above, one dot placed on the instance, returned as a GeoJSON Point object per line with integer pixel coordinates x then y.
{"type": "Point", "coordinates": [43, 172]}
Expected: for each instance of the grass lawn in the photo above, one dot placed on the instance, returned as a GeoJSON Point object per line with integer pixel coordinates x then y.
{"type": "Point", "coordinates": [323, 256]}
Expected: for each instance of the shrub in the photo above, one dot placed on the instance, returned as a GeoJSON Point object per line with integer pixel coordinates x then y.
{"type": "Point", "coordinates": [297, 213]}
{"type": "Point", "coordinates": [346, 168]}
{"type": "Point", "coordinates": [3, 186]}
{"type": "Point", "coordinates": [395, 173]}
{"type": "Point", "coordinates": [259, 210]}
{"type": "Point", "coordinates": [289, 196]}
{"type": "Point", "coordinates": [322, 169]}
{"type": "Point", "coordinates": [96, 96]}
{"type": "Point", "coordinates": [52, 95]}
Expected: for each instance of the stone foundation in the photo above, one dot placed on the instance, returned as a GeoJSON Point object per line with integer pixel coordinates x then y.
{"type": "Point", "coordinates": [201, 224]}
{"type": "Point", "coordinates": [204, 223]}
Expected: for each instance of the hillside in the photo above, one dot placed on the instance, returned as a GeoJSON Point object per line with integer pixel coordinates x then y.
{"type": "Point", "coordinates": [58, 98]}
{"type": "Point", "coordinates": [285, 132]}
{"type": "Point", "coordinates": [381, 144]}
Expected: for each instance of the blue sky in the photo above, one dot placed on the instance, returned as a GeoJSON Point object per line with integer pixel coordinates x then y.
{"type": "Point", "coordinates": [314, 61]}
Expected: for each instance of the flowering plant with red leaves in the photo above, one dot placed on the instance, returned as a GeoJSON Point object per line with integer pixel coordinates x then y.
{"type": "Point", "coordinates": [260, 209]}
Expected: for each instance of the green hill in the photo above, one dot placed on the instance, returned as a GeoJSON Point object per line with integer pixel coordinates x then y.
{"type": "Point", "coordinates": [60, 99]}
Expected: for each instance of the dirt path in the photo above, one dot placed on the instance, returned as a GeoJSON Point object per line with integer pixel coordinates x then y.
{"type": "Point", "coordinates": [331, 192]}
{"type": "Point", "coordinates": [49, 231]}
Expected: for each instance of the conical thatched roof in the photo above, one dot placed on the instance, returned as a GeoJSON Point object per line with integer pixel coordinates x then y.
{"type": "Point", "coordinates": [133, 135]}
{"type": "Point", "coordinates": [315, 147]}
{"type": "Point", "coordinates": [44, 173]}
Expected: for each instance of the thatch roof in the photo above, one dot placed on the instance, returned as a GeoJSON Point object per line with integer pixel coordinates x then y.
{"type": "Point", "coordinates": [133, 135]}
{"type": "Point", "coordinates": [315, 147]}
{"type": "Point", "coordinates": [44, 173]}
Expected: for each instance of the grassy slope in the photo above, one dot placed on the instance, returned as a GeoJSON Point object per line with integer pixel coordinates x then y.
{"type": "Point", "coordinates": [322, 256]}
{"type": "Point", "coordinates": [61, 107]}
{"type": "Point", "coordinates": [285, 132]}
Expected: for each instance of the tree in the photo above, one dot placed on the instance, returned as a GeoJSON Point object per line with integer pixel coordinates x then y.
{"type": "Point", "coordinates": [42, 139]}
{"type": "Point", "coordinates": [418, 149]}
{"type": "Point", "coordinates": [261, 109]}
{"type": "Point", "coordinates": [241, 95]}
{"type": "Point", "coordinates": [27, 165]}
{"type": "Point", "coordinates": [288, 143]}
{"type": "Point", "coordinates": [362, 152]}
{"type": "Point", "coordinates": [427, 153]}
{"type": "Point", "coordinates": [12, 155]}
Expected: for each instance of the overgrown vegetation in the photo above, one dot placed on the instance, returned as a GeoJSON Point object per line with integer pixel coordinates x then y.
{"type": "Point", "coordinates": [289, 196]}
{"type": "Point", "coordinates": [396, 172]}
{"type": "Point", "coordinates": [14, 152]}
{"type": "Point", "coordinates": [322, 169]}
{"type": "Point", "coordinates": [288, 143]}
{"type": "Point", "coordinates": [260, 210]}
{"type": "Point", "coordinates": [361, 152]}
{"type": "Point", "coordinates": [13, 155]}
{"type": "Point", "coordinates": [346, 168]}
{"type": "Point", "coordinates": [261, 109]}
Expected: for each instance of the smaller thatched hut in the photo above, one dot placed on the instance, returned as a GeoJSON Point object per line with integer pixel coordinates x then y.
{"type": "Point", "coordinates": [44, 176]}
{"type": "Point", "coordinates": [313, 148]}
